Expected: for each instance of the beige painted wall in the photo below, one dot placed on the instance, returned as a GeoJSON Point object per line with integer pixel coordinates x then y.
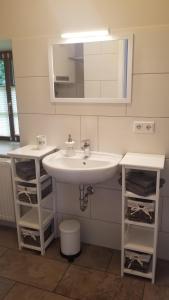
{"type": "Point", "coordinates": [41, 17]}
{"type": "Point", "coordinates": [108, 126]}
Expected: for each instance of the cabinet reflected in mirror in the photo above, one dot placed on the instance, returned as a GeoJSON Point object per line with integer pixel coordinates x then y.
{"type": "Point", "coordinates": [92, 71]}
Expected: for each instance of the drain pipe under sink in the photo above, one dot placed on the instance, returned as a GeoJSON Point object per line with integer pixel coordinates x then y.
{"type": "Point", "coordinates": [85, 191]}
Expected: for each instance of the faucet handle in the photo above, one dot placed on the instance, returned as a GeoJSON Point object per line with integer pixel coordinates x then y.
{"type": "Point", "coordinates": [86, 142]}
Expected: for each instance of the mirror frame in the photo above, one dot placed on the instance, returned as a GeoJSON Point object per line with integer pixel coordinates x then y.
{"type": "Point", "coordinates": [118, 36]}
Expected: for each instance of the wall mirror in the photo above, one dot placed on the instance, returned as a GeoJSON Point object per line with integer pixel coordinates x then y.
{"type": "Point", "coordinates": [91, 72]}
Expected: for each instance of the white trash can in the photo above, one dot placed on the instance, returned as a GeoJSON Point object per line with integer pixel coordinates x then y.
{"type": "Point", "coordinates": [70, 239]}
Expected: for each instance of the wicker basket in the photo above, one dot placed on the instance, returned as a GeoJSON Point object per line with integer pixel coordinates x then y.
{"type": "Point", "coordinates": [140, 210]}
{"type": "Point", "coordinates": [32, 236]}
{"type": "Point", "coordinates": [137, 261]}
{"type": "Point", "coordinates": [27, 192]}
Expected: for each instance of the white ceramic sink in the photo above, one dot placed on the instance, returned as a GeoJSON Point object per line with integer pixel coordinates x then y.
{"type": "Point", "coordinates": [96, 168]}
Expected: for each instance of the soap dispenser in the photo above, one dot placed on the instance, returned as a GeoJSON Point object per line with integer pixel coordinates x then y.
{"type": "Point", "coordinates": [69, 145]}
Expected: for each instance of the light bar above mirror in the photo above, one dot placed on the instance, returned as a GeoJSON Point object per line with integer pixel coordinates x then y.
{"type": "Point", "coordinates": [81, 34]}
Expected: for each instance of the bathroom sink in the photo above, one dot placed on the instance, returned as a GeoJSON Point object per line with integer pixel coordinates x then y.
{"type": "Point", "coordinates": [96, 168]}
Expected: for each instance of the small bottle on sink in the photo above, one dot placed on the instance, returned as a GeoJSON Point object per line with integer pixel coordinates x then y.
{"type": "Point", "coordinates": [69, 145]}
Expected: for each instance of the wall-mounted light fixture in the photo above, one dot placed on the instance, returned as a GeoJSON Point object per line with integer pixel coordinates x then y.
{"type": "Point", "coordinates": [86, 36]}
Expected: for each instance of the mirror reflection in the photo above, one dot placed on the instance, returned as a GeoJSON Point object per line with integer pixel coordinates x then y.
{"type": "Point", "coordinates": [90, 70]}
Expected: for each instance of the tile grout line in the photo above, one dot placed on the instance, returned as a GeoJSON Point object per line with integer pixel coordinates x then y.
{"type": "Point", "coordinates": [62, 279]}
{"type": "Point", "coordinates": [64, 273]}
{"type": "Point", "coordinates": [143, 291]}
{"type": "Point", "coordinates": [92, 115]}
{"type": "Point", "coordinates": [36, 287]}
{"type": "Point", "coordinates": [67, 297]}
{"type": "Point", "coordinates": [89, 268]}
{"type": "Point", "coordinates": [32, 286]}
{"type": "Point", "coordinates": [5, 250]}
{"type": "Point", "coordinates": [31, 254]}
{"type": "Point", "coordinates": [27, 284]}
{"type": "Point", "coordinates": [9, 289]}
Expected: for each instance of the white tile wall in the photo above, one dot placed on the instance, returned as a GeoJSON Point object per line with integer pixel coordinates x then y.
{"type": "Point", "coordinates": [101, 233]}
{"type": "Point", "coordinates": [165, 214]}
{"type": "Point", "coordinates": [36, 92]}
{"type": "Point", "coordinates": [56, 128]}
{"type": "Point", "coordinates": [89, 130]}
{"type": "Point", "coordinates": [163, 245]}
{"type": "Point", "coordinates": [108, 126]}
{"type": "Point", "coordinates": [68, 200]}
{"type": "Point", "coordinates": [100, 48]}
{"type": "Point", "coordinates": [106, 205]}
{"type": "Point", "coordinates": [110, 89]}
{"type": "Point", "coordinates": [110, 47]}
{"type": "Point", "coordinates": [99, 67]}
{"type": "Point", "coordinates": [116, 135]}
{"type": "Point", "coordinates": [92, 89]}
{"type": "Point", "coordinates": [92, 48]}
{"type": "Point", "coordinates": [98, 232]}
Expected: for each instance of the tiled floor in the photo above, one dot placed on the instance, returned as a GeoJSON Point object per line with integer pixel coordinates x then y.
{"type": "Point", "coordinates": [94, 275]}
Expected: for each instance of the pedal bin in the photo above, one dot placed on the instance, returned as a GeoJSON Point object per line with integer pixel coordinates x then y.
{"type": "Point", "coordinates": [70, 239]}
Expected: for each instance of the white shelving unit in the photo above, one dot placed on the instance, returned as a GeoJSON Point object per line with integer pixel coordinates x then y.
{"type": "Point", "coordinates": [36, 225]}
{"type": "Point", "coordinates": [139, 236]}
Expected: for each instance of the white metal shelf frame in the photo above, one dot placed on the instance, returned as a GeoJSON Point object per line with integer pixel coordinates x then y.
{"type": "Point", "coordinates": [135, 240]}
{"type": "Point", "coordinates": [25, 220]}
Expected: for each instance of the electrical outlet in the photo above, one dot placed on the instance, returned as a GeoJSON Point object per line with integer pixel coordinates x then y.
{"type": "Point", "coordinates": [137, 127]}
{"type": "Point", "coordinates": [144, 127]}
{"type": "Point", "coordinates": [149, 127]}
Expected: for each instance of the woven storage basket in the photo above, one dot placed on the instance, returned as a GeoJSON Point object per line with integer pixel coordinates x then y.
{"type": "Point", "coordinates": [140, 210]}
{"type": "Point", "coordinates": [137, 261]}
{"type": "Point", "coordinates": [27, 192]}
{"type": "Point", "coordinates": [32, 236]}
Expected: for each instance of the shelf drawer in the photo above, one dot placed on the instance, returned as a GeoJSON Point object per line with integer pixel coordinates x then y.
{"type": "Point", "coordinates": [32, 236]}
{"type": "Point", "coordinates": [137, 261]}
{"type": "Point", "coordinates": [27, 192]}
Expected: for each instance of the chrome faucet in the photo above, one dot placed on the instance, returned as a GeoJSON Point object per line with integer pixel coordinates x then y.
{"type": "Point", "coordinates": [86, 148]}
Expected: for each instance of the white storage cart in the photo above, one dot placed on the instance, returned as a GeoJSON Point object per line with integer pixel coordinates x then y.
{"type": "Point", "coordinates": [139, 237]}
{"type": "Point", "coordinates": [34, 198]}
